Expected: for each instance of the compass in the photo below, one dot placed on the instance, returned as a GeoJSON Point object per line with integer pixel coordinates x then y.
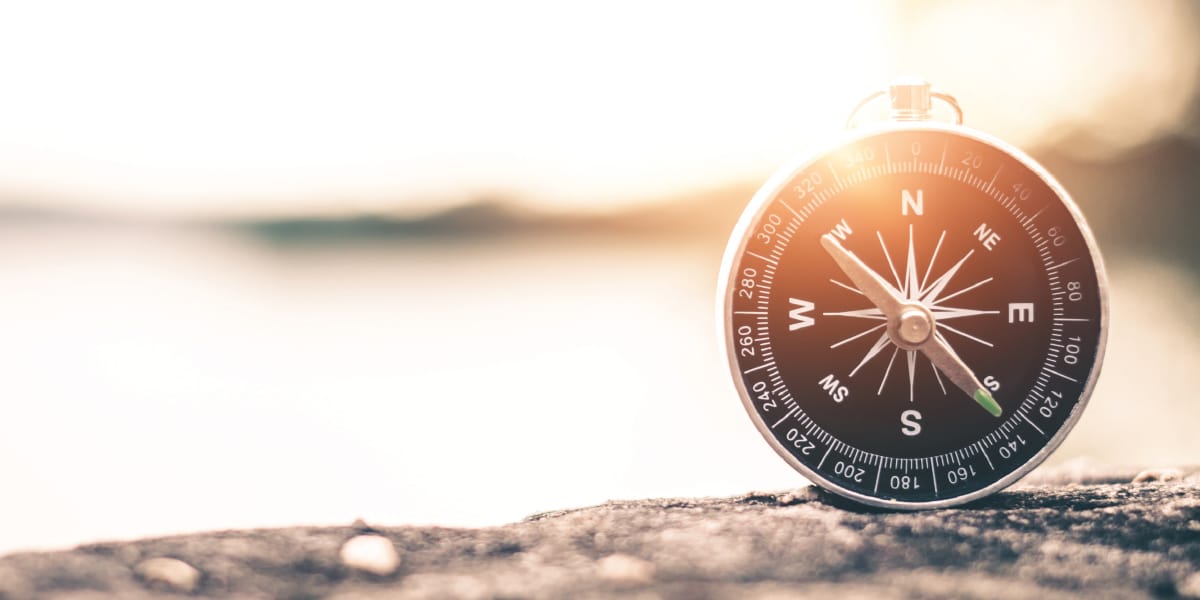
{"type": "Point", "coordinates": [915, 316]}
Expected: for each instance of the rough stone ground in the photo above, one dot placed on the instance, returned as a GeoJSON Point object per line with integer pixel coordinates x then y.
{"type": "Point", "coordinates": [1064, 533]}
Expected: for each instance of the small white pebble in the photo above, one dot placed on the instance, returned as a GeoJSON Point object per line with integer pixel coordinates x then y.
{"type": "Point", "coordinates": [625, 569]}
{"type": "Point", "coordinates": [374, 554]}
{"type": "Point", "coordinates": [1190, 586]}
{"type": "Point", "coordinates": [169, 572]}
{"type": "Point", "coordinates": [1155, 475]}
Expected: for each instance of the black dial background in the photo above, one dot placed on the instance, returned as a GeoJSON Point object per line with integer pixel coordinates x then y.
{"type": "Point", "coordinates": [857, 445]}
{"type": "Point", "coordinates": [870, 419]}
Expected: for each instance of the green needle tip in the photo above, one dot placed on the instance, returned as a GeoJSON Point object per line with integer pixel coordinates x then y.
{"type": "Point", "coordinates": [987, 402]}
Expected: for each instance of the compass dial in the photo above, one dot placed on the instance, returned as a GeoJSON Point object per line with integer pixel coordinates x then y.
{"type": "Point", "coordinates": [916, 318]}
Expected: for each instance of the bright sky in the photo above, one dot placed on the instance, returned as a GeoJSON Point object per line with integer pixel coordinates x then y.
{"type": "Point", "coordinates": [236, 108]}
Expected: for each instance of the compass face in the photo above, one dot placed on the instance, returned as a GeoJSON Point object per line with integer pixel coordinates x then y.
{"type": "Point", "coordinates": [916, 318]}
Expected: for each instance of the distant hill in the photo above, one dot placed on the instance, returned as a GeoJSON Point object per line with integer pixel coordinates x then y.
{"type": "Point", "coordinates": [1147, 201]}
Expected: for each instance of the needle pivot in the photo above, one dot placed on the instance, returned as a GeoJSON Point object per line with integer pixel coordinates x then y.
{"type": "Point", "coordinates": [915, 325]}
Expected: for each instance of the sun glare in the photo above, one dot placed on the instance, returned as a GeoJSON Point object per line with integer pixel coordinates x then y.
{"type": "Point", "coordinates": [281, 108]}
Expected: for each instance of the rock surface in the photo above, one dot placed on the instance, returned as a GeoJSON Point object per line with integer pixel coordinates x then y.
{"type": "Point", "coordinates": [1064, 533]}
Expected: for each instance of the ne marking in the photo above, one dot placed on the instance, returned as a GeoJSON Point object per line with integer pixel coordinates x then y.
{"type": "Point", "coordinates": [762, 366]}
{"type": "Point", "coordinates": [756, 255]}
{"type": "Point", "coordinates": [992, 183]}
{"type": "Point", "coordinates": [1067, 377]}
{"type": "Point", "coordinates": [785, 417]}
{"type": "Point", "coordinates": [1039, 429]}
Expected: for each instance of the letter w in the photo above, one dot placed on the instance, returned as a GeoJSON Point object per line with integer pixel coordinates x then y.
{"type": "Point", "coordinates": [797, 314]}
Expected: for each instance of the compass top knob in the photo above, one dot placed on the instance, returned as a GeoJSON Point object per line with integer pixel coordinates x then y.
{"type": "Point", "coordinates": [911, 99]}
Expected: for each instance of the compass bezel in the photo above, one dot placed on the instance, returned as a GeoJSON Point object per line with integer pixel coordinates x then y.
{"type": "Point", "coordinates": [741, 236]}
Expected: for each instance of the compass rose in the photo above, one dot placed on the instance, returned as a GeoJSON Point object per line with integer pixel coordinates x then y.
{"type": "Point", "coordinates": [915, 289]}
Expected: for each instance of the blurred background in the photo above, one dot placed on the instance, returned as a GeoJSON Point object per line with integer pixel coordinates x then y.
{"type": "Point", "coordinates": [275, 263]}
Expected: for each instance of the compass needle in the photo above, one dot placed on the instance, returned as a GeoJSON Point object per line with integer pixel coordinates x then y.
{"type": "Point", "coordinates": [996, 283]}
{"type": "Point", "coordinates": [942, 355]}
{"type": "Point", "coordinates": [987, 402]}
{"type": "Point", "coordinates": [875, 288]}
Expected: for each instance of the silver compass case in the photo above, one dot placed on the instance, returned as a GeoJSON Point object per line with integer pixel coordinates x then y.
{"type": "Point", "coordinates": [915, 315]}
